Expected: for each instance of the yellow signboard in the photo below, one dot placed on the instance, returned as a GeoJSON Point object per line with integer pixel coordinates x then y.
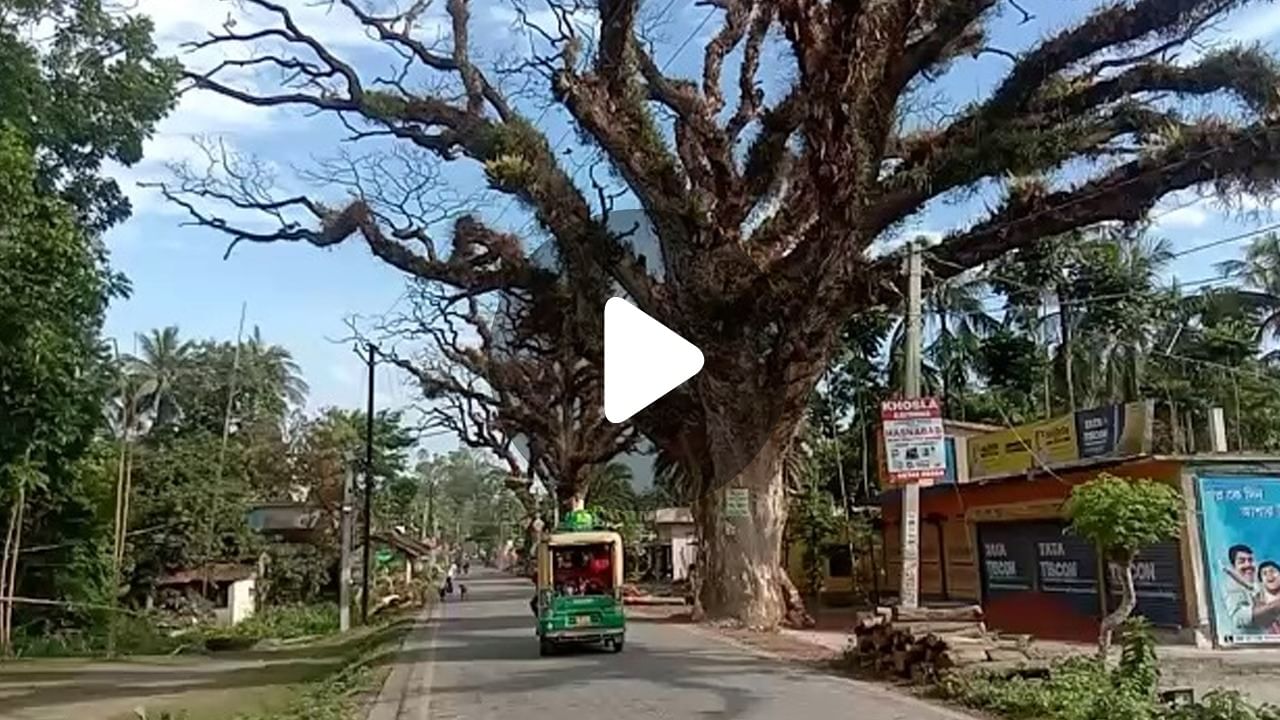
{"type": "Point", "coordinates": [1107, 431]}
{"type": "Point", "coordinates": [1017, 450]}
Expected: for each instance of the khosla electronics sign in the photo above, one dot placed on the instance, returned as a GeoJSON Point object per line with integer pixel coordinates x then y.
{"type": "Point", "coordinates": [914, 445]}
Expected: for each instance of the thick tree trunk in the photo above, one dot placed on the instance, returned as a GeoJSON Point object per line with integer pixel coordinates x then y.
{"type": "Point", "coordinates": [1128, 601]}
{"type": "Point", "coordinates": [741, 557]}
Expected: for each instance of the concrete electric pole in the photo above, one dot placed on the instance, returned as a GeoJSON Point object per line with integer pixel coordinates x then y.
{"type": "Point", "coordinates": [909, 588]}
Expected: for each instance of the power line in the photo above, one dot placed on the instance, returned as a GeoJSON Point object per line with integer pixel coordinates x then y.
{"type": "Point", "coordinates": [1226, 240]}
{"type": "Point", "coordinates": [1093, 299]}
{"type": "Point", "coordinates": [1238, 237]}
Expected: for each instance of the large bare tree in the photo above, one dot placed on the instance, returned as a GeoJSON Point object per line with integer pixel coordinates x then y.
{"type": "Point", "coordinates": [495, 374]}
{"type": "Point", "coordinates": [764, 204]}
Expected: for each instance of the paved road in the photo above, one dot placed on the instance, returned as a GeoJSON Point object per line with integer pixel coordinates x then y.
{"type": "Point", "coordinates": [478, 660]}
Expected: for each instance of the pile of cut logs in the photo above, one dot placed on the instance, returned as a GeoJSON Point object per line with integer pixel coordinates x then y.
{"type": "Point", "coordinates": [920, 643]}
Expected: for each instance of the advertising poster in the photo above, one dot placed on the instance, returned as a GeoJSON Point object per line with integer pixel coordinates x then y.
{"type": "Point", "coordinates": [914, 449]}
{"type": "Point", "coordinates": [1010, 452]}
{"type": "Point", "coordinates": [1241, 527]}
{"type": "Point", "coordinates": [1109, 431]}
{"type": "Point", "coordinates": [1097, 430]}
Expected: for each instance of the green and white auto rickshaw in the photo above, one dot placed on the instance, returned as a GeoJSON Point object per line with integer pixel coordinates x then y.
{"type": "Point", "coordinates": [579, 582]}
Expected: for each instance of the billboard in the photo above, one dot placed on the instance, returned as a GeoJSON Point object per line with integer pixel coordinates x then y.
{"type": "Point", "coordinates": [1240, 521]}
{"type": "Point", "coordinates": [1108, 431]}
{"type": "Point", "coordinates": [1016, 450]}
{"type": "Point", "coordinates": [914, 449]}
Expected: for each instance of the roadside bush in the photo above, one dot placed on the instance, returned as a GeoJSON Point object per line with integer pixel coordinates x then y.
{"type": "Point", "coordinates": [1083, 689]}
{"type": "Point", "coordinates": [286, 622]}
{"type": "Point", "coordinates": [1076, 689]}
{"type": "Point", "coordinates": [135, 635]}
{"type": "Point", "coordinates": [1223, 705]}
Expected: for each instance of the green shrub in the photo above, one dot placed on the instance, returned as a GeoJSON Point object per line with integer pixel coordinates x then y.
{"type": "Point", "coordinates": [1076, 689]}
{"type": "Point", "coordinates": [1223, 705]}
{"type": "Point", "coordinates": [1083, 689]}
{"type": "Point", "coordinates": [135, 635]}
{"type": "Point", "coordinates": [289, 621]}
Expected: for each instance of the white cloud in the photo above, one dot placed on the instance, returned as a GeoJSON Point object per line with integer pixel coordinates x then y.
{"type": "Point", "coordinates": [1188, 216]}
{"type": "Point", "coordinates": [179, 21]}
{"type": "Point", "coordinates": [889, 243]}
{"type": "Point", "coordinates": [1259, 23]}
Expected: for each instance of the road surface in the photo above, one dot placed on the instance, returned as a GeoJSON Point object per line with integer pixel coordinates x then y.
{"type": "Point", "coordinates": [478, 660]}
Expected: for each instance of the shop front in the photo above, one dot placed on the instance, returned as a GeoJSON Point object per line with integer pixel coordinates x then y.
{"type": "Point", "coordinates": [1008, 547]}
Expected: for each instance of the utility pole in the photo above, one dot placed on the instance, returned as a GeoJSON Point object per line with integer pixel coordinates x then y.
{"type": "Point", "coordinates": [909, 589]}
{"type": "Point", "coordinates": [210, 539]}
{"type": "Point", "coordinates": [368, 495]}
{"type": "Point", "coordinates": [344, 567]}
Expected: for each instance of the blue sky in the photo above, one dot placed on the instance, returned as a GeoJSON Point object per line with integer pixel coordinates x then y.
{"type": "Point", "coordinates": [302, 297]}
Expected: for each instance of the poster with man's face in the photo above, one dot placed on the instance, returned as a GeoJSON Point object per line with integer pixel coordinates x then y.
{"type": "Point", "coordinates": [1241, 528]}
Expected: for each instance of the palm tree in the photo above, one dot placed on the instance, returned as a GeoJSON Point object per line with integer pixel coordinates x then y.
{"type": "Point", "coordinates": [956, 321]}
{"type": "Point", "coordinates": [1259, 272]}
{"type": "Point", "coordinates": [163, 357]}
{"type": "Point", "coordinates": [1117, 296]}
{"type": "Point", "coordinates": [609, 489]}
{"type": "Point", "coordinates": [273, 369]}
{"type": "Point", "coordinates": [962, 321]}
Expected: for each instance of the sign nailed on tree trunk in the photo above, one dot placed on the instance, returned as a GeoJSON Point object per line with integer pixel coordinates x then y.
{"type": "Point", "coordinates": [737, 503]}
{"type": "Point", "coordinates": [914, 447]}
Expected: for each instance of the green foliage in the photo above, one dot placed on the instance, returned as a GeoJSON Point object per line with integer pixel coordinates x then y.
{"type": "Point", "coordinates": [1139, 668]}
{"type": "Point", "coordinates": [54, 287]}
{"type": "Point", "coordinates": [135, 635]}
{"type": "Point", "coordinates": [1121, 515]}
{"type": "Point", "coordinates": [91, 93]}
{"type": "Point", "coordinates": [284, 622]}
{"type": "Point", "coordinates": [812, 522]}
{"type": "Point", "coordinates": [1223, 705]}
{"type": "Point", "coordinates": [1084, 689]}
{"type": "Point", "coordinates": [299, 573]}
{"type": "Point", "coordinates": [338, 696]}
{"type": "Point", "coordinates": [1076, 689]}
{"type": "Point", "coordinates": [466, 499]}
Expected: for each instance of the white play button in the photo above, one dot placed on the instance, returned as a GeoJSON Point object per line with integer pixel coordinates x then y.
{"type": "Point", "coordinates": [643, 360]}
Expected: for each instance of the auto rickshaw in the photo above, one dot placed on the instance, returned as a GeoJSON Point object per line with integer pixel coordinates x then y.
{"type": "Point", "coordinates": [579, 581]}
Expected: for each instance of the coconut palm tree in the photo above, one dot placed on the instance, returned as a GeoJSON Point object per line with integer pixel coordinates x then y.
{"type": "Point", "coordinates": [1116, 294]}
{"type": "Point", "coordinates": [162, 357]}
{"type": "Point", "coordinates": [1259, 272]}
{"type": "Point", "coordinates": [272, 369]}
{"type": "Point", "coordinates": [609, 489]}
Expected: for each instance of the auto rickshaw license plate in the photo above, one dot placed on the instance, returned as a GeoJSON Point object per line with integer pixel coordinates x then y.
{"type": "Point", "coordinates": [582, 620]}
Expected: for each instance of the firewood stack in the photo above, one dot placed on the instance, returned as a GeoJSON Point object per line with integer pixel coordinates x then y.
{"type": "Point", "coordinates": [920, 643]}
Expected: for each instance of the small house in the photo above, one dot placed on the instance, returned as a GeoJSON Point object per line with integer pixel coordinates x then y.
{"type": "Point", "coordinates": [231, 589]}
{"type": "Point", "coordinates": [675, 545]}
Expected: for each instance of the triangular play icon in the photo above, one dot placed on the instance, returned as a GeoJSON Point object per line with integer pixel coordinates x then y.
{"type": "Point", "coordinates": [643, 360]}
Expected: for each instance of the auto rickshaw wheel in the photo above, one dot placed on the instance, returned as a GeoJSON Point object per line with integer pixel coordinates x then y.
{"type": "Point", "coordinates": [546, 647]}
{"type": "Point", "coordinates": [615, 645]}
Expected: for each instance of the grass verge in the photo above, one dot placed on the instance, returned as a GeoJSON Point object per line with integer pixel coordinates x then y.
{"type": "Point", "coordinates": [327, 680]}
{"type": "Point", "coordinates": [340, 695]}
